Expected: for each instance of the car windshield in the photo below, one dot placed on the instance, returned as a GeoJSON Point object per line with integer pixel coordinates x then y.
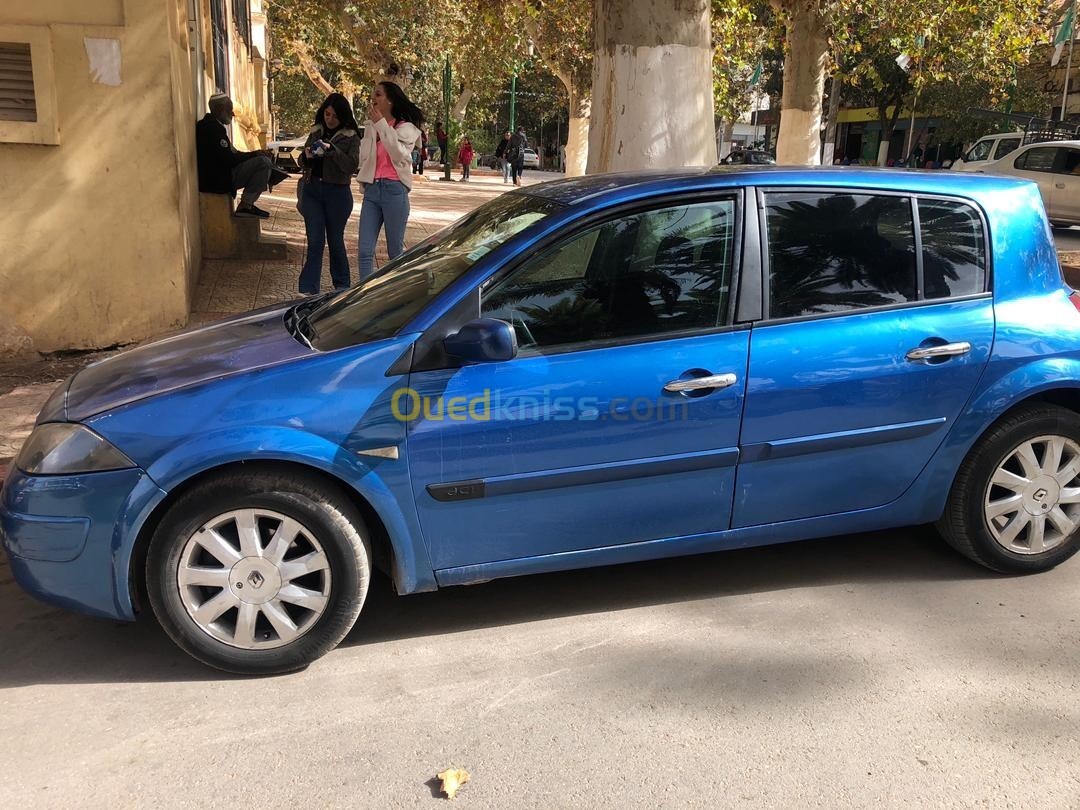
{"type": "Point", "coordinates": [380, 306]}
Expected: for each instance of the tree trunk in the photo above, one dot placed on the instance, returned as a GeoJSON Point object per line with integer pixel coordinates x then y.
{"type": "Point", "coordinates": [887, 121]}
{"type": "Point", "coordinates": [829, 153]}
{"type": "Point", "coordinates": [577, 133]}
{"type": "Point", "coordinates": [461, 103]}
{"type": "Point", "coordinates": [652, 101]}
{"type": "Point", "coordinates": [725, 134]}
{"type": "Point", "coordinates": [805, 57]}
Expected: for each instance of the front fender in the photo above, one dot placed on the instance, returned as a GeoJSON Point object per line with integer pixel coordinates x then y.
{"type": "Point", "coordinates": [382, 482]}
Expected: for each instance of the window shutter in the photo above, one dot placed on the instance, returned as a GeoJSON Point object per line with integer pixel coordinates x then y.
{"type": "Point", "coordinates": [16, 83]}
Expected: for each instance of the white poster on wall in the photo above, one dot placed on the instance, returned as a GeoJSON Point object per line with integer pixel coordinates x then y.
{"type": "Point", "coordinates": [104, 56]}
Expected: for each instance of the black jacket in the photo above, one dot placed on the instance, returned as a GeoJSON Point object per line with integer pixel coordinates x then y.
{"type": "Point", "coordinates": [216, 156]}
{"type": "Point", "coordinates": [500, 150]}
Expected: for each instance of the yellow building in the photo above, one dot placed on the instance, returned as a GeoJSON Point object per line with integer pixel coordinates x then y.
{"type": "Point", "coordinates": [99, 212]}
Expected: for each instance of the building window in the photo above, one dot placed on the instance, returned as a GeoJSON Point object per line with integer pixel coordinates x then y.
{"type": "Point", "coordinates": [17, 102]}
{"type": "Point", "coordinates": [242, 20]}
{"type": "Point", "coordinates": [220, 31]}
{"type": "Point", "coordinates": [27, 86]}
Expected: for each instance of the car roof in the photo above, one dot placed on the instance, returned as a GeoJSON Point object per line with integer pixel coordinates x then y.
{"type": "Point", "coordinates": [628, 185]}
{"type": "Point", "coordinates": [1073, 144]}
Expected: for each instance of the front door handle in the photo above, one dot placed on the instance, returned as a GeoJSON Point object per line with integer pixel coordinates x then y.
{"type": "Point", "coordinates": [1059, 185]}
{"type": "Point", "coordinates": [948, 350]}
{"type": "Point", "coordinates": [700, 383]}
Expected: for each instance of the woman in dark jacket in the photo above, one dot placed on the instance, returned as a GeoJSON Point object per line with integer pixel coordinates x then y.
{"type": "Point", "coordinates": [331, 157]}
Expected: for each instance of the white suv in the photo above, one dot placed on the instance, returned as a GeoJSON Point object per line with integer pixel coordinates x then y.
{"type": "Point", "coordinates": [990, 148]}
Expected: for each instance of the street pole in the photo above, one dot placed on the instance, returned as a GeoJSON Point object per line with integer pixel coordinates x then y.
{"type": "Point", "coordinates": [513, 98]}
{"type": "Point", "coordinates": [447, 78]}
{"type": "Point", "coordinates": [1068, 64]}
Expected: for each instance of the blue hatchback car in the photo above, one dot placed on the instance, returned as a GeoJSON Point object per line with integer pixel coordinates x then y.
{"type": "Point", "coordinates": [592, 371]}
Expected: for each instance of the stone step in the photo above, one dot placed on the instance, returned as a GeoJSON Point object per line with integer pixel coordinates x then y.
{"type": "Point", "coordinates": [225, 236]}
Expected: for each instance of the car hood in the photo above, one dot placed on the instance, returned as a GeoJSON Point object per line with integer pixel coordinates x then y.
{"type": "Point", "coordinates": [230, 347]}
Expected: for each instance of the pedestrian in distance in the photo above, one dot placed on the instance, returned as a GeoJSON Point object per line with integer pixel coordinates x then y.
{"type": "Point", "coordinates": [392, 128]}
{"type": "Point", "coordinates": [442, 138]}
{"type": "Point", "coordinates": [500, 154]}
{"type": "Point", "coordinates": [465, 157]}
{"type": "Point", "coordinates": [223, 169]}
{"type": "Point", "coordinates": [331, 156]}
{"type": "Point", "coordinates": [515, 153]}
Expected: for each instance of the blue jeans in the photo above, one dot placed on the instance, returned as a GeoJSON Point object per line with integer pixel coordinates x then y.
{"type": "Point", "coordinates": [506, 170]}
{"type": "Point", "coordinates": [326, 212]}
{"type": "Point", "coordinates": [385, 202]}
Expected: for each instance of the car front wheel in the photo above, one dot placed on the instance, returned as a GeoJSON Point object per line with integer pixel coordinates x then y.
{"type": "Point", "coordinates": [1015, 504]}
{"type": "Point", "coordinates": [259, 573]}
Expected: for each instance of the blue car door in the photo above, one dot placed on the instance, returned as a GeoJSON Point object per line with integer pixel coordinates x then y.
{"type": "Point", "coordinates": [617, 422]}
{"type": "Point", "coordinates": [878, 327]}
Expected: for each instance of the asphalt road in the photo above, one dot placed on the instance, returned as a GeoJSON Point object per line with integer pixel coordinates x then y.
{"type": "Point", "coordinates": [867, 671]}
{"type": "Point", "coordinates": [1067, 238]}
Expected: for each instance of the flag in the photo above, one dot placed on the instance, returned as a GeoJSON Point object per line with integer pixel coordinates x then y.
{"type": "Point", "coordinates": [904, 61]}
{"type": "Point", "coordinates": [1065, 34]}
{"type": "Point", "coordinates": [756, 78]}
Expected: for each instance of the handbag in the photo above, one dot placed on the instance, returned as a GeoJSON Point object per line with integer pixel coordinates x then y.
{"type": "Point", "coordinates": [301, 184]}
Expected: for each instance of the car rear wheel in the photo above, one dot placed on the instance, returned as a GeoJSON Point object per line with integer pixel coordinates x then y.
{"type": "Point", "coordinates": [259, 573]}
{"type": "Point", "coordinates": [1015, 504]}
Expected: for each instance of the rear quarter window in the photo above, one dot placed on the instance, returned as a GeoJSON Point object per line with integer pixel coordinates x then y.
{"type": "Point", "coordinates": [953, 249]}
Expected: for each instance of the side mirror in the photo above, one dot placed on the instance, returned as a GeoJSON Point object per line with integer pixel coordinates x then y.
{"type": "Point", "coordinates": [485, 340]}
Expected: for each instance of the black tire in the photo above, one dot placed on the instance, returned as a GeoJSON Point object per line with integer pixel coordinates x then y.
{"type": "Point", "coordinates": [318, 505]}
{"type": "Point", "coordinates": [963, 524]}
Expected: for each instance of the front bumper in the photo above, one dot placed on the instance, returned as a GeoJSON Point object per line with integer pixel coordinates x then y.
{"type": "Point", "coordinates": [69, 538]}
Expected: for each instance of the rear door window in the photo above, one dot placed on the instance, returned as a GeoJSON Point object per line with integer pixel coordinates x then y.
{"type": "Point", "coordinates": [1039, 159]}
{"type": "Point", "coordinates": [831, 252]}
{"type": "Point", "coordinates": [953, 249]}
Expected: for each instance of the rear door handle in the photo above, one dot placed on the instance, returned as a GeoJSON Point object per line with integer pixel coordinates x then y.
{"type": "Point", "coordinates": [948, 350]}
{"type": "Point", "coordinates": [1059, 185]}
{"type": "Point", "coordinates": [699, 383]}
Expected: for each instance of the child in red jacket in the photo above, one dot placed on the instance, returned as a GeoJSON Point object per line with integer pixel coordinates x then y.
{"type": "Point", "coordinates": [465, 156]}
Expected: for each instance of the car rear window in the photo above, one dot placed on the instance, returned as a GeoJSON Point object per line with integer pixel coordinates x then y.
{"type": "Point", "coordinates": [953, 248]}
{"type": "Point", "coordinates": [831, 252]}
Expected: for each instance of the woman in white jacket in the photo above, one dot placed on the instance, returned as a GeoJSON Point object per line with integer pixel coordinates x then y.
{"type": "Point", "coordinates": [392, 128]}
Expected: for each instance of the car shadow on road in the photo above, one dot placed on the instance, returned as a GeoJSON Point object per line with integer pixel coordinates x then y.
{"type": "Point", "coordinates": [45, 645]}
{"type": "Point", "coordinates": [914, 554]}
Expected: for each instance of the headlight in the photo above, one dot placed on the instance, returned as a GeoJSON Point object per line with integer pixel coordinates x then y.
{"type": "Point", "coordinates": [59, 448]}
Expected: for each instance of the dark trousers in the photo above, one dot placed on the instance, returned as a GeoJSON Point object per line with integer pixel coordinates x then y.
{"type": "Point", "coordinates": [326, 211]}
{"type": "Point", "coordinates": [516, 168]}
{"type": "Point", "coordinates": [442, 151]}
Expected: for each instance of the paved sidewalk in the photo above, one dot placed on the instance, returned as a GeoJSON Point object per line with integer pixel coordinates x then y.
{"type": "Point", "coordinates": [227, 287]}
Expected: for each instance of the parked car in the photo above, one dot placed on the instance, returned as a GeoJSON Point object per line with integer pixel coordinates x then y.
{"type": "Point", "coordinates": [287, 153]}
{"type": "Point", "coordinates": [532, 159]}
{"type": "Point", "coordinates": [600, 370]}
{"type": "Point", "coordinates": [1055, 168]}
{"type": "Point", "coordinates": [755, 157]}
{"type": "Point", "coordinates": [988, 149]}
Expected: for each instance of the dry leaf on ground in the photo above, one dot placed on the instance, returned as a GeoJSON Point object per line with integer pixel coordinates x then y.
{"type": "Point", "coordinates": [452, 780]}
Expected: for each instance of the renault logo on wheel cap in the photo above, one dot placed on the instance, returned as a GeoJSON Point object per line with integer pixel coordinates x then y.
{"type": "Point", "coordinates": [255, 579]}
{"type": "Point", "coordinates": [1040, 494]}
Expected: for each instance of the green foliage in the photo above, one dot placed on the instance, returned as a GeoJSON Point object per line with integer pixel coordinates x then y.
{"type": "Point", "coordinates": [295, 102]}
{"type": "Point", "coordinates": [742, 32]}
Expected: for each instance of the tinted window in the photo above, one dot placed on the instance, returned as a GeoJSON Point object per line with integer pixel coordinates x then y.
{"type": "Point", "coordinates": [954, 250]}
{"type": "Point", "coordinates": [1006, 145]}
{"type": "Point", "coordinates": [980, 151]}
{"type": "Point", "coordinates": [835, 252]}
{"type": "Point", "coordinates": [1040, 159]}
{"type": "Point", "coordinates": [1071, 164]}
{"type": "Point", "coordinates": [660, 271]}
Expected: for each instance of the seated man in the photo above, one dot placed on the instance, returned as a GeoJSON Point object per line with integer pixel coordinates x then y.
{"type": "Point", "coordinates": [223, 169]}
